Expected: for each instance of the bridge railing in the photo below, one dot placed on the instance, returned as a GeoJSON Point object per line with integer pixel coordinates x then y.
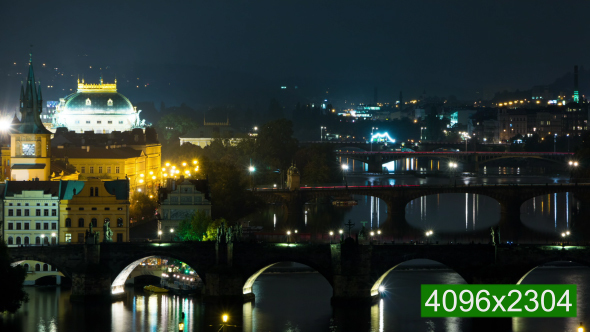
{"type": "Point", "coordinates": [416, 186]}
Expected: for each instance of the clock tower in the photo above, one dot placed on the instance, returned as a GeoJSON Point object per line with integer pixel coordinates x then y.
{"type": "Point", "coordinates": [30, 141]}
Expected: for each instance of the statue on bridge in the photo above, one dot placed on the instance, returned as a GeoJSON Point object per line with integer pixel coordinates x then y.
{"type": "Point", "coordinates": [91, 237]}
{"type": "Point", "coordinates": [230, 234]}
{"type": "Point", "coordinates": [495, 233]}
{"type": "Point", "coordinates": [108, 232]}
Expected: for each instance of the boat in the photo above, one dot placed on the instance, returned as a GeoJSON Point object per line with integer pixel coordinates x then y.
{"type": "Point", "coordinates": [348, 202]}
{"type": "Point", "coordinates": [155, 289]}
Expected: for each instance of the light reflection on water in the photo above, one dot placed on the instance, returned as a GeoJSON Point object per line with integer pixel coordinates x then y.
{"type": "Point", "coordinates": [298, 300]}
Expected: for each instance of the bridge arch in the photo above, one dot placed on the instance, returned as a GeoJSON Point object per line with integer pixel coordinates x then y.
{"type": "Point", "coordinates": [528, 269]}
{"type": "Point", "coordinates": [384, 273]}
{"type": "Point", "coordinates": [260, 268]}
{"type": "Point", "coordinates": [121, 273]}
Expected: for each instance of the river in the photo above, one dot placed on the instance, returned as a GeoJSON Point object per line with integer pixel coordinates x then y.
{"type": "Point", "coordinates": [285, 302]}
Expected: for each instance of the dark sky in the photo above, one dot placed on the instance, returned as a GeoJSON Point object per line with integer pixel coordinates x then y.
{"type": "Point", "coordinates": [445, 47]}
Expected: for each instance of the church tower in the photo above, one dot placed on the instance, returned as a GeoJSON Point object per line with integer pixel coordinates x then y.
{"type": "Point", "coordinates": [30, 148]}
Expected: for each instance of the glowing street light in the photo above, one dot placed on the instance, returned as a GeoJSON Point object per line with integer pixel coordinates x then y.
{"type": "Point", "coordinates": [331, 234]}
{"type": "Point", "coordinates": [344, 169]}
{"type": "Point", "coordinates": [251, 169]}
{"type": "Point", "coordinates": [581, 327]}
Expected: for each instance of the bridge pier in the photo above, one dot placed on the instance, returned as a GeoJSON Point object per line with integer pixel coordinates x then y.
{"type": "Point", "coordinates": [294, 215]}
{"type": "Point", "coordinates": [351, 267]}
{"type": "Point", "coordinates": [93, 281]}
{"type": "Point", "coordinates": [396, 223]}
{"type": "Point", "coordinates": [511, 228]}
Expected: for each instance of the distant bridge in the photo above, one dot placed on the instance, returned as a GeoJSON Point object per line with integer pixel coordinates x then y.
{"type": "Point", "coordinates": [375, 160]}
{"type": "Point", "coordinates": [510, 198]}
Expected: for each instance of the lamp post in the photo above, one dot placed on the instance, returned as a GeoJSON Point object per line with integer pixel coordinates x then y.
{"type": "Point", "coordinates": [322, 133]}
{"type": "Point", "coordinates": [581, 327]}
{"type": "Point", "coordinates": [160, 235]}
{"type": "Point", "coordinates": [573, 165]}
{"type": "Point", "coordinates": [171, 234]}
{"type": "Point", "coordinates": [344, 168]}
{"type": "Point", "coordinates": [251, 169]}
{"type": "Point", "coordinates": [379, 233]}
{"type": "Point", "coordinates": [421, 128]}
{"type": "Point", "coordinates": [554, 140]}
{"type": "Point", "coordinates": [428, 235]}
{"type": "Point", "coordinates": [372, 236]}
{"type": "Point", "coordinates": [331, 234]}
{"type": "Point", "coordinates": [53, 235]}
{"type": "Point", "coordinates": [341, 232]}
{"type": "Point", "coordinates": [288, 237]}
{"type": "Point", "coordinates": [564, 236]}
{"type": "Point", "coordinates": [42, 239]}
{"type": "Point", "coordinates": [466, 137]}
{"type": "Point", "coordinates": [224, 319]}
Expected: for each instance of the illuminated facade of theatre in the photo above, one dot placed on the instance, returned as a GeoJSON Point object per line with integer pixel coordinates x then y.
{"type": "Point", "coordinates": [96, 107]}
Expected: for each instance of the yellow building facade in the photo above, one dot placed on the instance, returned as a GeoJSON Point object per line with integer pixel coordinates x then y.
{"type": "Point", "coordinates": [94, 202]}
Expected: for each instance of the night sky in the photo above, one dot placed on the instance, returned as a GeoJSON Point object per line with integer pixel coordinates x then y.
{"type": "Point", "coordinates": [208, 52]}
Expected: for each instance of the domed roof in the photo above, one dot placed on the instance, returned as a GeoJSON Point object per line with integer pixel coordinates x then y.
{"type": "Point", "coordinates": [102, 101]}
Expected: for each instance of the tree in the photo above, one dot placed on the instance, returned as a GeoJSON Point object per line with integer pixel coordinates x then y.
{"type": "Point", "coordinates": [211, 234]}
{"type": "Point", "coordinates": [194, 227]}
{"type": "Point", "coordinates": [142, 207]}
{"type": "Point", "coordinates": [276, 146]}
{"type": "Point", "coordinates": [13, 277]}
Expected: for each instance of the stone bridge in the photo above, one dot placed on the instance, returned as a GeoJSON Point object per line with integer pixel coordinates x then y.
{"type": "Point", "coordinates": [509, 197]}
{"type": "Point", "coordinates": [471, 160]}
{"type": "Point", "coordinates": [229, 270]}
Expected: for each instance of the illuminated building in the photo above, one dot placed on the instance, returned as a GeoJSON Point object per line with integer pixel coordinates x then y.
{"type": "Point", "coordinates": [30, 150]}
{"type": "Point", "coordinates": [133, 154]}
{"type": "Point", "coordinates": [31, 212]}
{"type": "Point", "coordinates": [97, 202]}
{"type": "Point", "coordinates": [180, 200]}
{"type": "Point", "coordinates": [97, 107]}
{"type": "Point", "coordinates": [203, 136]}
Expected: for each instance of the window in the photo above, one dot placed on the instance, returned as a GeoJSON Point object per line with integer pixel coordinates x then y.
{"type": "Point", "coordinates": [37, 267]}
{"type": "Point", "coordinates": [108, 169]}
{"type": "Point", "coordinates": [18, 225]}
{"type": "Point", "coordinates": [37, 241]}
{"type": "Point", "coordinates": [117, 169]}
{"type": "Point", "coordinates": [10, 240]}
{"type": "Point", "coordinates": [37, 225]}
{"type": "Point", "coordinates": [27, 240]}
{"type": "Point", "coordinates": [110, 122]}
{"type": "Point", "coordinates": [82, 169]}
{"type": "Point", "coordinates": [120, 122]}
{"type": "Point", "coordinates": [119, 222]}
{"type": "Point", "coordinates": [46, 212]}
{"type": "Point", "coordinates": [68, 209]}
{"type": "Point", "coordinates": [81, 209]}
{"type": "Point", "coordinates": [98, 122]}
{"type": "Point", "coordinates": [81, 222]}
{"type": "Point", "coordinates": [94, 222]}
{"type": "Point", "coordinates": [99, 169]}
{"type": "Point", "coordinates": [53, 212]}
{"type": "Point", "coordinates": [45, 225]}
{"type": "Point", "coordinates": [19, 212]}
{"type": "Point", "coordinates": [107, 209]}
{"type": "Point", "coordinates": [26, 225]}
{"type": "Point", "coordinates": [10, 226]}
{"type": "Point", "coordinates": [53, 240]}
{"type": "Point", "coordinates": [93, 209]}
{"type": "Point", "coordinates": [119, 209]}
{"type": "Point", "coordinates": [45, 267]}
{"type": "Point", "coordinates": [26, 204]}
{"type": "Point", "coordinates": [119, 237]}
{"type": "Point", "coordinates": [38, 212]}
{"type": "Point", "coordinates": [38, 204]}
{"type": "Point", "coordinates": [88, 122]}
{"type": "Point", "coordinates": [68, 238]}
{"type": "Point", "coordinates": [53, 225]}
{"type": "Point", "coordinates": [77, 121]}
{"type": "Point", "coordinates": [27, 212]}
{"type": "Point", "coordinates": [68, 222]}
{"type": "Point", "coordinates": [26, 266]}
{"type": "Point", "coordinates": [91, 169]}
{"type": "Point", "coordinates": [18, 240]}
{"type": "Point", "coordinates": [88, 102]}
{"type": "Point", "coordinates": [95, 191]}
{"type": "Point", "coordinates": [91, 191]}
{"type": "Point", "coordinates": [80, 237]}
{"type": "Point", "coordinates": [10, 212]}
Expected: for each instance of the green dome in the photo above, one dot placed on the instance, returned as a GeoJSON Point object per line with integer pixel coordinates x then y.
{"type": "Point", "coordinates": [98, 102]}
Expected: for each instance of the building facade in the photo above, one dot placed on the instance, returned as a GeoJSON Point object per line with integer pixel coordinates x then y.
{"type": "Point", "coordinates": [180, 200]}
{"type": "Point", "coordinates": [31, 213]}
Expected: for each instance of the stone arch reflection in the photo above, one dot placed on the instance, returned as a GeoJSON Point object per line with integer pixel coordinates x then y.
{"type": "Point", "coordinates": [551, 212]}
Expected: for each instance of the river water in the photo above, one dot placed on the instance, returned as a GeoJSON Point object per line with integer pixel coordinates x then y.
{"type": "Point", "coordinates": [284, 302]}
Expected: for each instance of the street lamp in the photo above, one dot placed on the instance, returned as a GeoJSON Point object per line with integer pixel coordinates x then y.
{"type": "Point", "coordinates": [42, 239]}
{"type": "Point", "coordinates": [372, 236]}
{"type": "Point", "coordinates": [224, 319]}
{"type": "Point", "coordinates": [331, 234]}
{"type": "Point", "coordinates": [379, 233]}
{"type": "Point", "coordinates": [428, 235]}
{"type": "Point", "coordinates": [581, 327]}
{"type": "Point", "coordinates": [322, 133]}
{"type": "Point", "coordinates": [288, 237]}
{"type": "Point", "coordinates": [251, 169]}
{"type": "Point", "coordinates": [421, 128]}
{"type": "Point", "coordinates": [344, 168]}
{"type": "Point", "coordinates": [372, 128]}
{"type": "Point", "coordinates": [53, 238]}
{"type": "Point", "coordinates": [171, 233]}
{"type": "Point", "coordinates": [564, 235]}
{"type": "Point", "coordinates": [341, 232]}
